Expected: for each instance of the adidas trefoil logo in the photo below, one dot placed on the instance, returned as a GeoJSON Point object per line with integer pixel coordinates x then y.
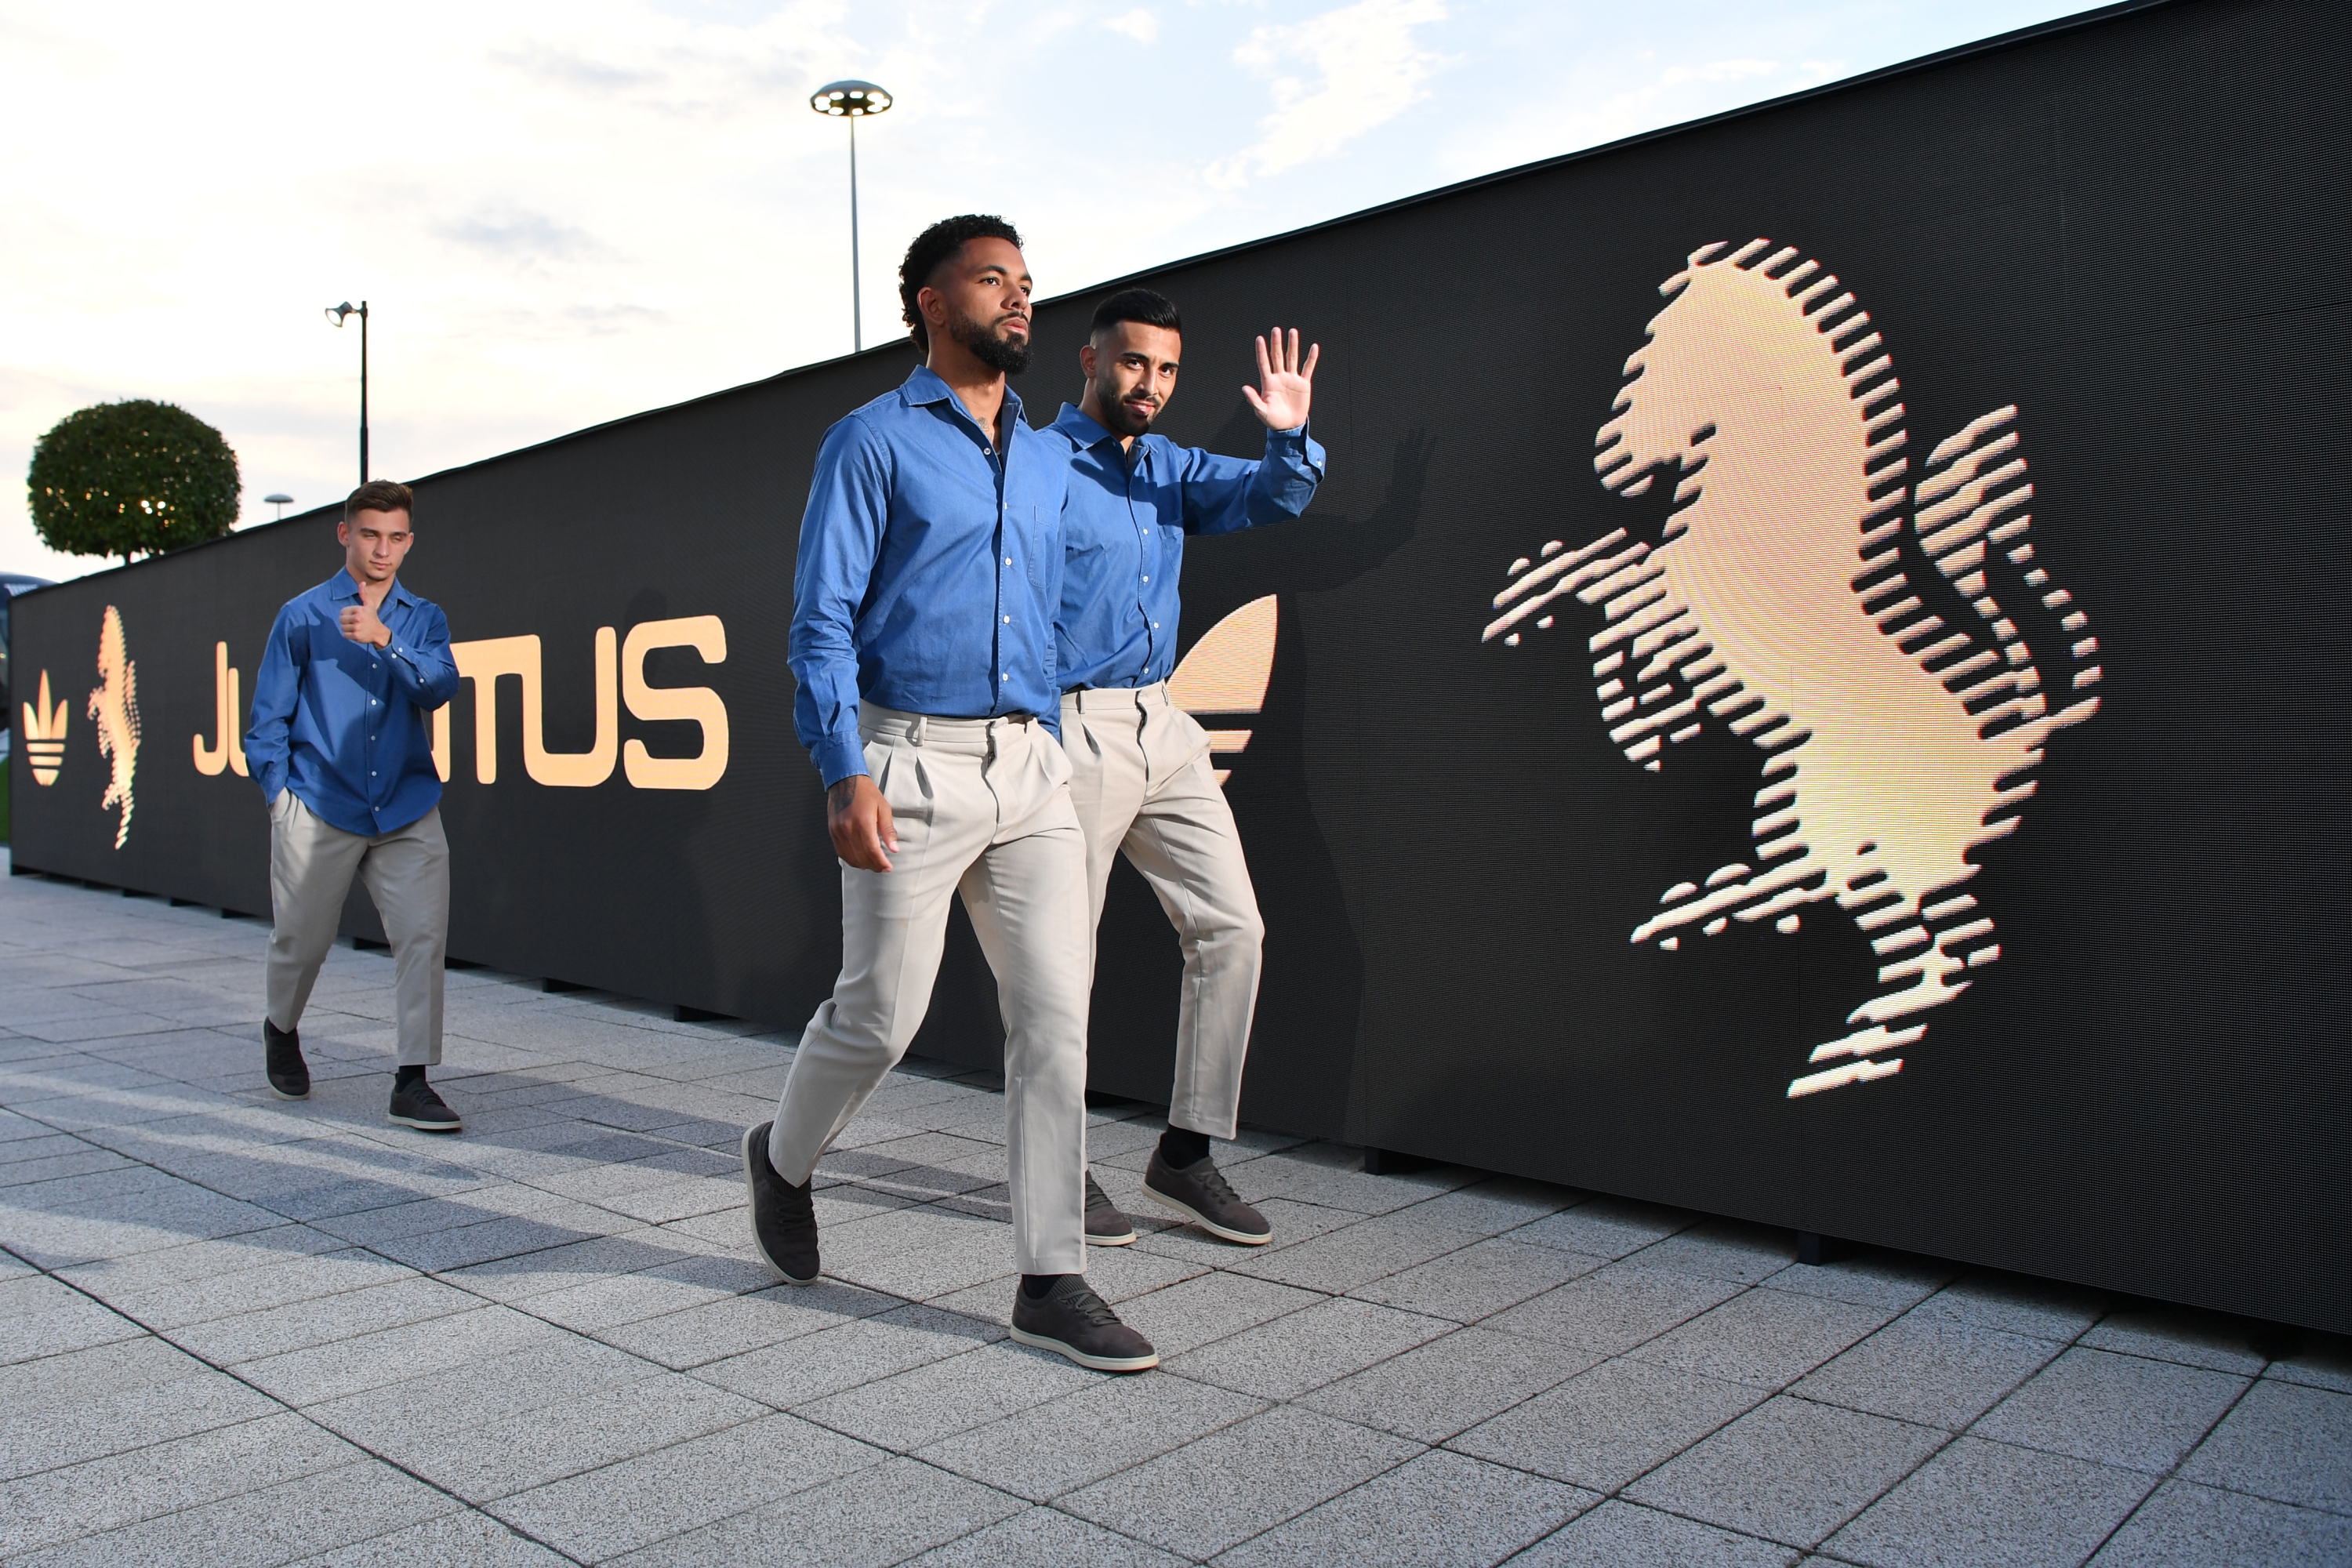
{"type": "Point", "coordinates": [44, 734]}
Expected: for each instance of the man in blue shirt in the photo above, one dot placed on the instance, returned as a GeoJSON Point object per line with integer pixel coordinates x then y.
{"type": "Point", "coordinates": [1139, 765]}
{"type": "Point", "coordinates": [922, 640]}
{"type": "Point", "coordinates": [342, 749]}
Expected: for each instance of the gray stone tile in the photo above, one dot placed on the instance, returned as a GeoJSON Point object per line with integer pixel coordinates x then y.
{"type": "Point", "coordinates": [665, 1288]}
{"type": "Point", "coordinates": [1606, 1227]}
{"type": "Point", "coordinates": [1611, 1309]}
{"type": "Point", "coordinates": [2323, 1362]}
{"type": "Point", "coordinates": [68, 1157]}
{"type": "Point", "coordinates": [1988, 1505]}
{"type": "Point", "coordinates": [1170, 1235]}
{"type": "Point", "coordinates": [295, 1518]}
{"type": "Point", "coordinates": [1787, 1470]}
{"type": "Point", "coordinates": [606, 1512]}
{"type": "Point", "coordinates": [1300, 1350]}
{"type": "Point", "coordinates": [2177, 1333]}
{"type": "Point", "coordinates": [1495, 1204]}
{"type": "Point", "coordinates": [917, 1253]}
{"type": "Point", "coordinates": [40, 1316]}
{"type": "Point", "coordinates": [1338, 1260]}
{"type": "Point", "coordinates": [2114, 1409]}
{"type": "Point", "coordinates": [99, 1495]}
{"type": "Point", "coordinates": [1239, 1481]}
{"type": "Point", "coordinates": [1624, 1535]}
{"type": "Point", "coordinates": [274, 1330]}
{"type": "Point", "coordinates": [277, 1283]}
{"type": "Point", "coordinates": [1044, 1536]}
{"type": "Point", "coordinates": [1895, 1282]}
{"type": "Point", "coordinates": [345, 1367]}
{"type": "Point", "coordinates": [1768, 1338]}
{"type": "Point", "coordinates": [1724, 1249]}
{"type": "Point", "coordinates": [2283, 1442]}
{"type": "Point", "coordinates": [739, 1323]}
{"type": "Point", "coordinates": [1934, 1373]}
{"type": "Point", "coordinates": [1334, 1177]}
{"type": "Point", "coordinates": [1604, 1428]}
{"type": "Point", "coordinates": [883, 1514]}
{"type": "Point", "coordinates": [400, 1417]}
{"type": "Point", "coordinates": [116, 1398]}
{"type": "Point", "coordinates": [2189, 1526]}
{"type": "Point", "coordinates": [1439, 1509]}
{"type": "Point", "coordinates": [812, 1367]}
{"type": "Point", "coordinates": [1450, 1384]}
{"type": "Point", "coordinates": [1199, 1311]}
{"type": "Point", "coordinates": [514, 1278]}
{"type": "Point", "coordinates": [452, 1540]}
{"type": "Point", "coordinates": [1074, 1441]}
{"type": "Point", "coordinates": [928, 1403]}
{"type": "Point", "coordinates": [120, 1278]}
{"type": "Point", "coordinates": [1477, 1282]}
{"type": "Point", "coordinates": [2013, 1304]}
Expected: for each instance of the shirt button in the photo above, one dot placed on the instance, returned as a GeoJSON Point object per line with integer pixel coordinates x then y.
{"type": "Point", "coordinates": [1008, 561]}
{"type": "Point", "coordinates": [1008, 620]}
{"type": "Point", "coordinates": [1147, 576]}
{"type": "Point", "coordinates": [1004, 678]}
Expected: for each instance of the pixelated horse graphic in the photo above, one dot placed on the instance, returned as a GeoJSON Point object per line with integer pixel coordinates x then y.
{"type": "Point", "coordinates": [114, 708]}
{"type": "Point", "coordinates": [1777, 602]}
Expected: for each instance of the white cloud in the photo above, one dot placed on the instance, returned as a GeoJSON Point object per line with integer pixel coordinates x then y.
{"type": "Point", "coordinates": [1367, 68]}
{"type": "Point", "coordinates": [1139, 24]}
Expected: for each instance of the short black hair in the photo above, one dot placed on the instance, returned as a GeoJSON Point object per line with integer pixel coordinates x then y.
{"type": "Point", "coordinates": [380, 494]}
{"type": "Point", "coordinates": [934, 246]}
{"type": "Point", "coordinates": [1139, 305]}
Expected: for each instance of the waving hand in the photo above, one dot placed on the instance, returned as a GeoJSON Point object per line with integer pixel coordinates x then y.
{"type": "Point", "coordinates": [1285, 384]}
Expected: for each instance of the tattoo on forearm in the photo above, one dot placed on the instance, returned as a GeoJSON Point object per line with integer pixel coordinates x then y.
{"type": "Point", "coordinates": [837, 798]}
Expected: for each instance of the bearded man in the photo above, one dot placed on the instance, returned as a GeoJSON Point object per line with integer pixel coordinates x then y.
{"type": "Point", "coordinates": [922, 639]}
{"type": "Point", "coordinates": [1139, 765]}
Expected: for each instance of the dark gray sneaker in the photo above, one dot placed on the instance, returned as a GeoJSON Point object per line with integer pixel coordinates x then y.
{"type": "Point", "coordinates": [784, 1217]}
{"type": "Point", "coordinates": [288, 1074]}
{"type": "Point", "coordinates": [1201, 1193]}
{"type": "Point", "coordinates": [419, 1107]}
{"type": "Point", "coordinates": [1106, 1226]}
{"type": "Point", "coordinates": [1070, 1319]}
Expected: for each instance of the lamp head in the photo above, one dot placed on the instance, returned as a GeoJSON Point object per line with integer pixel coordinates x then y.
{"type": "Point", "coordinates": [277, 500]}
{"type": "Point", "coordinates": [849, 99]}
{"type": "Point", "coordinates": [335, 313]}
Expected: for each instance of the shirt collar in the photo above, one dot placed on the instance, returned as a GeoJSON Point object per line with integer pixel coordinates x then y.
{"type": "Point", "coordinates": [923, 385]}
{"type": "Point", "coordinates": [1082, 428]}
{"type": "Point", "coordinates": [343, 585]}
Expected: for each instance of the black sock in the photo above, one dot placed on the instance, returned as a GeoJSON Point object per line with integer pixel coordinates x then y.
{"type": "Point", "coordinates": [1034, 1286]}
{"type": "Point", "coordinates": [406, 1077]}
{"type": "Point", "coordinates": [1182, 1148]}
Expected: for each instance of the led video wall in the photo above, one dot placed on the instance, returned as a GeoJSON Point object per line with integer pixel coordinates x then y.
{"type": "Point", "coordinates": [1817, 688]}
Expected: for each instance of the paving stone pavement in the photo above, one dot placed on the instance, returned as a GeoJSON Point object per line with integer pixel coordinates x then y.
{"type": "Point", "coordinates": [239, 1331]}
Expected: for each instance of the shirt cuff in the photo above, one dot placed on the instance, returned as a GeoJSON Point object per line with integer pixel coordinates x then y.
{"type": "Point", "coordinates": [838, 757]}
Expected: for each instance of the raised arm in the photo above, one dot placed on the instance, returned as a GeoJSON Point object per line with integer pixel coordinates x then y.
{"type": "Point", "coordinates": [277, 687]}
{"type": "Point", "coordinates": [1222, 495]}
{"type": "Point", "coordinates": [425, 670]}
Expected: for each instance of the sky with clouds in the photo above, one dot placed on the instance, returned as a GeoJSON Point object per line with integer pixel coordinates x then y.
{"type": "Point", "coordinates": [559, 213]}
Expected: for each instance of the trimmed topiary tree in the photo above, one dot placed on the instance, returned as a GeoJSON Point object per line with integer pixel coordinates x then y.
{"type": "Point", "coordinates": [137, 476]}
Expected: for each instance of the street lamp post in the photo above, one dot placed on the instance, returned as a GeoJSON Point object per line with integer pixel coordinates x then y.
{"type": "Point", "coordinates": [852, 101]}
{"type": "Point", "coordinates": [281, 502]}
{"type": "Point", "coordinates": [336, 313]}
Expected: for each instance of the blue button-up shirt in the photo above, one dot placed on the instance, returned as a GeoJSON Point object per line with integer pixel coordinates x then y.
{"type": "Point", "coordinates": [930, 565]}
{"type": "Point", "coordinates": [1123, 532]}
{"type": "Point", "coordinates": [342, 724]}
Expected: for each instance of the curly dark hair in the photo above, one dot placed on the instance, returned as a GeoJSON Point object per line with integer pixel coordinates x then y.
{"type": "Point", "coordinates": [934, 246]}
{"type": "Point", "coordinates": [1139, 305]}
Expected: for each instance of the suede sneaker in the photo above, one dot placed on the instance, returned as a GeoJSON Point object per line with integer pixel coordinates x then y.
{"type": "Point", "coordinates": [1106, 1226]}
{"type": "Point", "coordinates": [288, 1074]}
{"type": "Point", "coordinates": [1070, 1319]}
{"type": "Point", "coordinates": [419, 1107]}
{"type": "Point", "coordinates": [1201, 1193]}
{"type": "Point", "coordinates": [784, 1217]}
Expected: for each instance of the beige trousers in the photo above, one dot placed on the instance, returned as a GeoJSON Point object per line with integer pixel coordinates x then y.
{"type": "Point", "coordinates": [1140, 779]}
{"type": "Point", "coordinates": [406, 871]}
{"type": "Point", "coordinates": [982, 807]}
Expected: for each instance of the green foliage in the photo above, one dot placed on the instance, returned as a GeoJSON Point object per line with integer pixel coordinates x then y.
{"type": "Point", "coordinates": [117, 478]}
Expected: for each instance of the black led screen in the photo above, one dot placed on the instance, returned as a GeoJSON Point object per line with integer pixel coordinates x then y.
{"type": "Point", "coordinates": [1899, 790]}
